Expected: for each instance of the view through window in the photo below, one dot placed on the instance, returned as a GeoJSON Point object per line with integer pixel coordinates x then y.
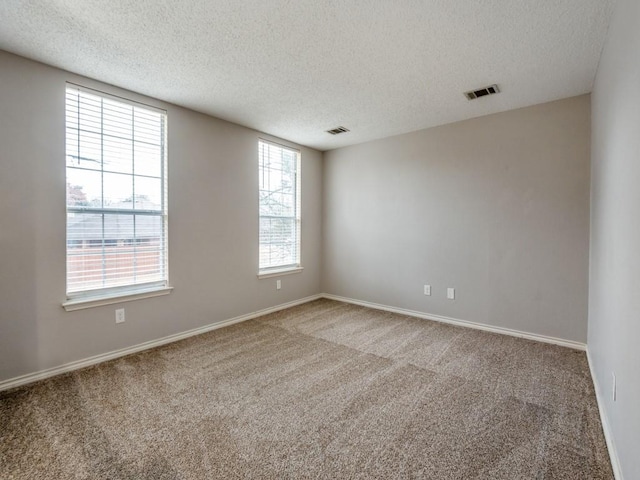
{"type": "Point", "coordinates": [116, 193]}
{"type": "Point", "coordinates": [279, 192]}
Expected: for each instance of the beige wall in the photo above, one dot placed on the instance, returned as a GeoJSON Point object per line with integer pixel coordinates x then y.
{"type": "Point", "coordinates": [213, 200]}
{"type": "Point", "coordinates": [496, 207]}
{"type": "Point", "coordinates": [614, 294]}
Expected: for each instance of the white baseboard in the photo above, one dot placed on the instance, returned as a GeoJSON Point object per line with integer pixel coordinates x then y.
{"type": "Point", "coordinates": [68, 367]}
{"type": "Point", "coordinates": [613, 456]}
{"type": "Point", "coordinates": [462, 323]}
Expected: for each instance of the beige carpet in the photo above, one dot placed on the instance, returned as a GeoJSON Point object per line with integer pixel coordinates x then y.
{"type": "Point", "coordinates": [325, 390]}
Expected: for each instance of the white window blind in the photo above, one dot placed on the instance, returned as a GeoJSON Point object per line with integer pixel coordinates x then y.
{"type": "Point", "coordinates": [116, 193]}
{"type": "Point", "coordinates": [279, 192]}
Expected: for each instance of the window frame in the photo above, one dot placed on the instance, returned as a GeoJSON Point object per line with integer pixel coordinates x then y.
{"type": "Point", "coordinates": [89, 297]}
{"type": "Point", "coordinates": [296, 267]}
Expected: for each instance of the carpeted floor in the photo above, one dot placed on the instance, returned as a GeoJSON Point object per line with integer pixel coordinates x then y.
{"type": "Point", "coordinates": [325, 390]}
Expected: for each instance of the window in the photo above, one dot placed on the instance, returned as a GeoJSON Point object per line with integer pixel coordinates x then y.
{"type": "Point", "coordinates": [116, 195]}
{"type": "Point", "coordinates": [279, 192]}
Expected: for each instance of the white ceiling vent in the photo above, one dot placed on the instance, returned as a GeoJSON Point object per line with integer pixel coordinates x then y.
{"type": "Point", "coordinates": [490, 90]}
{"type": "Point", "coordinates": [337, 130]}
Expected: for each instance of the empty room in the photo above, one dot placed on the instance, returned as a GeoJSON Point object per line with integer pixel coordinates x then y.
{"type": "Point", "coordinates": [328, 240]}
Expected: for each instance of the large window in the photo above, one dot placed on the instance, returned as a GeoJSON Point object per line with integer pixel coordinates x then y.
{"type": "Point", "coordinates": [279, 180]}
{"type": "Point", "coordinates": [116, 194]}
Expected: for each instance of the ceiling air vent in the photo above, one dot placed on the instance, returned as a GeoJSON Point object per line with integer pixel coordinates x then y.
{"type": "Point", "coordinates": [490, 90]}
{"type": "Point", "coordinates": [337, 130]}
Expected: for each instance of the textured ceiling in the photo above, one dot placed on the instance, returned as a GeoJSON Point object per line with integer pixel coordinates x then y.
{"type": "Point", "coordinates": [295, 68]}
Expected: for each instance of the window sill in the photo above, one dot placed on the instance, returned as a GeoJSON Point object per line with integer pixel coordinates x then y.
{"type": "Point", "coordinates": [279, 272]}
{"type": "Point", "coordinates": [98, 301]}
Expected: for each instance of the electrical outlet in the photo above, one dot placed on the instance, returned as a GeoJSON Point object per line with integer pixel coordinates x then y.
{"type": "Point", "coordinates": [613, 386]}
{"type": "Point", "coordinates": [427, 289]}
{"type": "Point", "coordinates": [451, 293]}
{"type": "Point", "coordinates": [120, 315]}
{"type": "Point", "coordinates": [278, 284]}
